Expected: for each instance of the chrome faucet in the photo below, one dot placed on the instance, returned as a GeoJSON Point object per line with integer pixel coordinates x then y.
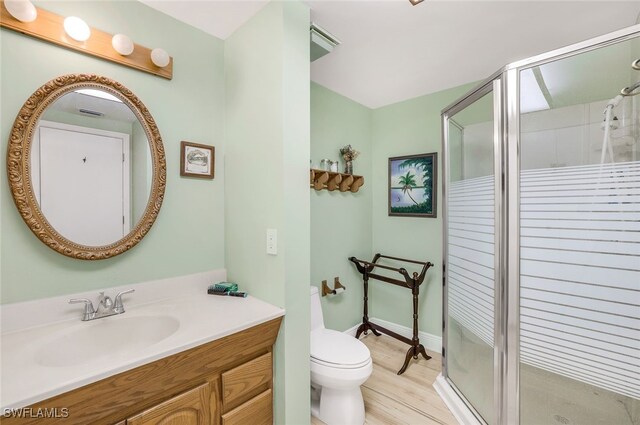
{"type": "Point", "coordinates": [106, 306]}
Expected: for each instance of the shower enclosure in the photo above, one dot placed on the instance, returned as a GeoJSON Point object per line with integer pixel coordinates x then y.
{"type": "Point", "coordinates": [542, 240]}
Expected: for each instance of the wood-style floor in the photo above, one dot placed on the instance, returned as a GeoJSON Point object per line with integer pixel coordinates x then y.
{"type": "Point", "coordinates": [408, 399]}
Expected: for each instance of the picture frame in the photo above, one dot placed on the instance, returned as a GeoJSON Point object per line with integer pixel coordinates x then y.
{"type": "Point", "coordinates": [197, 160]}
{"type": "Point", "coordinates": [413, 185]}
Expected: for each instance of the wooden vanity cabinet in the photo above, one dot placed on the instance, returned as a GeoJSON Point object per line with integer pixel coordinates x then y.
{"type": "Point", "coordinates": [228, 381]}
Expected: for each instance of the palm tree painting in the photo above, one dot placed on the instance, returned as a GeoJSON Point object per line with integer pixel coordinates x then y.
{"type": "Point", "coordinates": [412, 185]}
{"type": "Point", "coordinates": [408, 183]}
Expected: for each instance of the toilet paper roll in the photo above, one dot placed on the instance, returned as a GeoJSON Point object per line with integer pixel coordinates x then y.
{"type": "Point", "coordinates": [339, 291]}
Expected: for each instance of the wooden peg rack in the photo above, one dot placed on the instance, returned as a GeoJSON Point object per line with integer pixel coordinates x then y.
{"type": "Point", "coordinates": [330, 180]}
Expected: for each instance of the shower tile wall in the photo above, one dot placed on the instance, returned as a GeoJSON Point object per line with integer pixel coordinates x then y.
{"type": "Point", "coordinates": [562, 137]}
{"type": "Point", "coordinates": [553, 138]}
{"type": "Point", "coordinates": [570, 136]}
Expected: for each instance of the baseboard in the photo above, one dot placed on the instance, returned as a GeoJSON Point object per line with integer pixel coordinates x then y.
{"type": "Point", "coordinates": [352, 331]}
{"type": "Point", "coordinates": [457, 407]}
{"type": "Point", "coordinates": [431, 342]}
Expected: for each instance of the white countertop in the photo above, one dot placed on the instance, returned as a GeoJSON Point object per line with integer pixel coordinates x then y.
{"type": "Point", "coordinates": [202, 318]}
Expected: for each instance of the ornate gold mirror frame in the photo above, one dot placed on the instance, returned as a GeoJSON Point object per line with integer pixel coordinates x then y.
{"type": "Point", "coordinates": [19, 164]}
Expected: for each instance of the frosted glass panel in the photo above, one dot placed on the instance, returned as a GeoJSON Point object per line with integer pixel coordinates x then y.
{"type": "Point", "coordinates": [580, 243]}
{"type": "Point", "coordinates": [470, 258]}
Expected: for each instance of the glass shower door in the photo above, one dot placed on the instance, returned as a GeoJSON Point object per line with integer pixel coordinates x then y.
{"type": "Point", "coordinates": [580, 240]}
{"type": "Point", "coordinates": [470, 260]}
{"type": "Point", "coordinates": [541, 242]}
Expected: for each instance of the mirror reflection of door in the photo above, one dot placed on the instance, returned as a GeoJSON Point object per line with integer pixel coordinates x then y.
{"type": "Point", "coordinates": [83, 183]}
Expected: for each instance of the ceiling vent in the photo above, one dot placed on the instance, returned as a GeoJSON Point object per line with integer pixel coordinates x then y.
{"type": "Point", "coordinates": [322, 42]}
{"type": "Point", "coordinates": [90, 112]}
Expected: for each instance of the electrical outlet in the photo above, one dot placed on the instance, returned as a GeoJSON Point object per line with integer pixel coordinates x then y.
{"type": "Point", "coordinates": [272, 241]}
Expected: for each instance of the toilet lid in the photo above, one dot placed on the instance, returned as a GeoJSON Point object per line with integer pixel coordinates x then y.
{"type": "Point", "coordinates": [336, 348]}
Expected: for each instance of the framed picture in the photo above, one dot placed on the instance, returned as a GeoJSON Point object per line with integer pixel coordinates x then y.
{"type": "Point", "coordinates": [413, 185]}
{"type": "Point", "coordinates": [197, 160]}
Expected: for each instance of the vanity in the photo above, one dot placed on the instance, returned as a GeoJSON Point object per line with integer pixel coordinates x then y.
{"type": "Point", "coordinates": [196, 359]}
{"type": "Point", "coordinates": [87, 172]}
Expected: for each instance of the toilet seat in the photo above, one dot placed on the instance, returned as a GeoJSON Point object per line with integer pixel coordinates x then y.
{"type": "Point", "coordinates": [338, 350]}
{"type": "Point", "coordinates": [340, 366]}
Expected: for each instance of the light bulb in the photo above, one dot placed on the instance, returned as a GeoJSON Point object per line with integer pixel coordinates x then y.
{"type": "Point", "coordinates": [76, 28]}
{"type": "Point", "coordinates": [160, 57]}
{"type": "Point", "coordinates": [122, 44]}
{"type": "Point", "coordinates": [22, 10]}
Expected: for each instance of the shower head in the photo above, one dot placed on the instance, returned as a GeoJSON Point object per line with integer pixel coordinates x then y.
{"type": "Point", "coordinates": [613, 102]}
{"type": "Point", "coordinates": [613, 123]}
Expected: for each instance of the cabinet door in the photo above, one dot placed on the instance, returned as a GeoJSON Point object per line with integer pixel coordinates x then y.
{"type": "Point", "coordinates": [189, 408]}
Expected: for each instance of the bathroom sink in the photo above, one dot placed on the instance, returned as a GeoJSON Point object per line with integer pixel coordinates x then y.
{"type": "Point", "coordinates": [105, 338]}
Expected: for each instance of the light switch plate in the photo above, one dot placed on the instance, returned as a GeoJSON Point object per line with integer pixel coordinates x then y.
{"type": "Point", "coordinates": [272, 241]}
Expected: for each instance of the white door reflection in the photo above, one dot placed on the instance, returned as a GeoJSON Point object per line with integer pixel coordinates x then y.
{"type": "Point", "coordinates": [84, 182]}
{"type": "Point", "coordinates": [91, 167]}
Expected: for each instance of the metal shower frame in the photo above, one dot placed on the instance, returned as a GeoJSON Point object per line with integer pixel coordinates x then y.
{"type": "Point", "coordinates": [504, 84]}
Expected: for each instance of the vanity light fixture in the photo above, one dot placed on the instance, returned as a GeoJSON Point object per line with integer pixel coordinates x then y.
{"type": "Point", "coordinates": [73, 33]}
{"type": "Point", "coordinates": [76, 28]}
{"type": "Point", "coordinates": [160, 57]}
{"type": "Point", "coordinates": [22, 10]}
{"type": "Point", "coordinates": [415, 2]}
{"type": "Point", "coordinates": [122, 44]}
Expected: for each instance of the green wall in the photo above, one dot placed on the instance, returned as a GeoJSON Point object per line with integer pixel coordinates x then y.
{"type": "Point", "coordinates": [347, 224]}
{"type": "Point", "coordinates": [267, 141]}
{"type": "Point", "coordinates": [405, 128]}
{"type": "Point", "coordinates": [188, 236]}
{"type": "Point", "coordinates": [340, 222]}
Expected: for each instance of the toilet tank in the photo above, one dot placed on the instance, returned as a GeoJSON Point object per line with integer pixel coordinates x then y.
{"type": "Point", "coordinates": [317, 321]}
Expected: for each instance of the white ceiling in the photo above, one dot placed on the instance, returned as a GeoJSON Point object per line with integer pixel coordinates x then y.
{"type": "Point", "coordinates": [219, 18]}
{"type": "Point", "coordinates": [72, 103]}
{"type": "Point", "coordinates": [392, 51]}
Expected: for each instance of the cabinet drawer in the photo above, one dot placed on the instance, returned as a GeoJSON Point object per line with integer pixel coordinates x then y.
{"type": "Point", "coordinates": [191, 407]}
{"type": "Point", "coordinates": [257, 411]}
{"type": "Point", "coordinates": [245, 381]}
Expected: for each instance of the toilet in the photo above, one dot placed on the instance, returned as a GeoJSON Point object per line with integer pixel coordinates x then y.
{"type": "Point", "coordinates": [339, 365]}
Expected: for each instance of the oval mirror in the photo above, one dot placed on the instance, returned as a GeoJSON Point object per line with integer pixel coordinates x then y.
{"type": "Point", "coordinates": [86, 166]}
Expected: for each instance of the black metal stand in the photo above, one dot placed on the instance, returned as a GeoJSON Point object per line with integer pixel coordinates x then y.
{"type": "Point", "coordinates": [412, 282]}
